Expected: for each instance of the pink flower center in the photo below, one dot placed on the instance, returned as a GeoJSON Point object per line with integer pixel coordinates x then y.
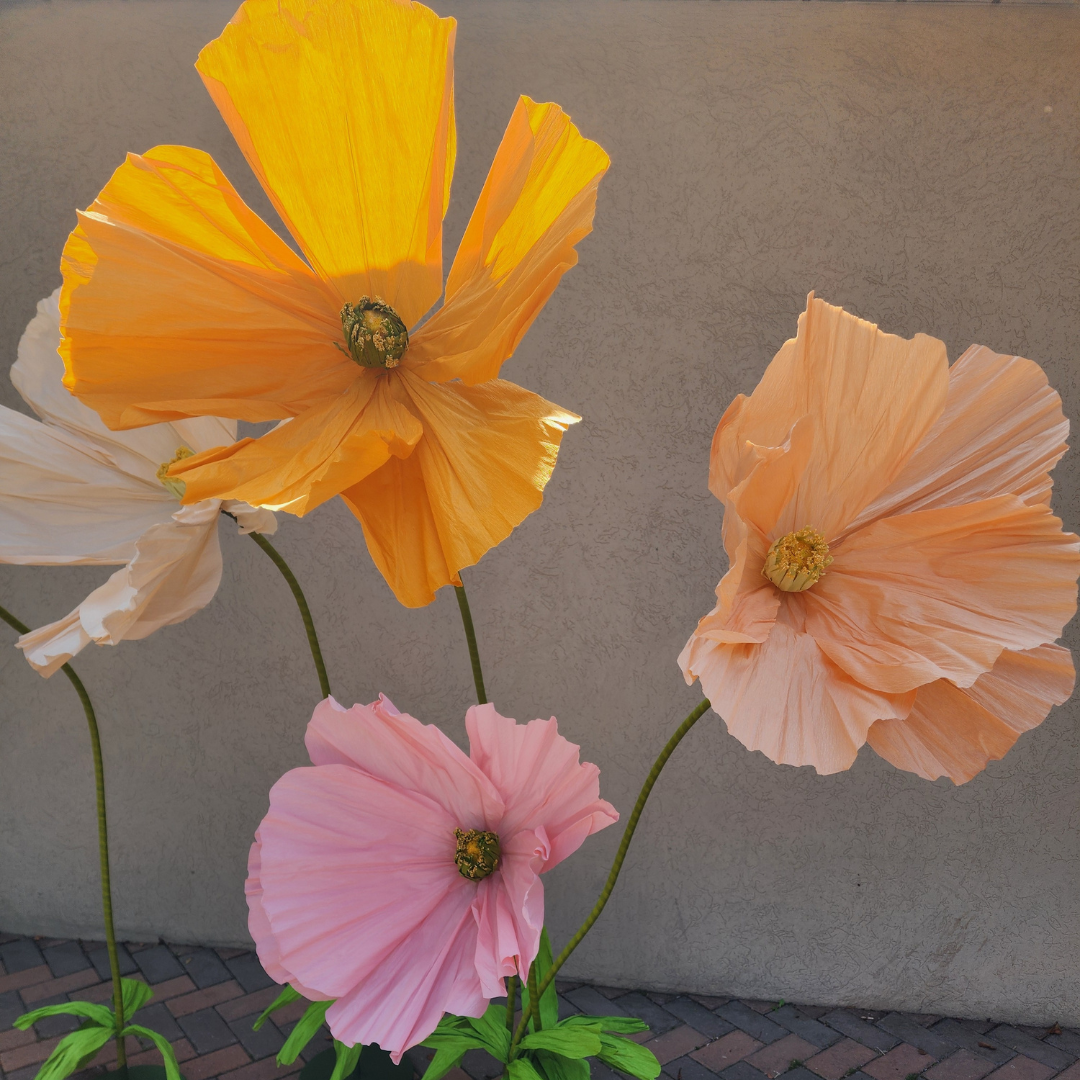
{"type": "Point", "coordinates": [477, 853]}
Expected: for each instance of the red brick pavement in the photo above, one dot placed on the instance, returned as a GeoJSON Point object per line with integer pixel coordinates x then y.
{"type": "Point", "coordinates": [205, 1001]}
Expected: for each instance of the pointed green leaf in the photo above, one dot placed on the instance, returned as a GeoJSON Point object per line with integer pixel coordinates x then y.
{"type": "Point", "coordinates": [287, 996]}
{"type": "Point", "coordinates": [168, 1055]}
{"type": "Point", "coordinates": [624, 1025]}
{"type": "Point", "coordinates": [523, 1069]}
{"type": "Point", "coordinates": [491, 1028]}
{"type": "Point", "coordinates": [447, 1057]}
{"type": "Point", "coordinates": [556, 1067]}
{"type": "Point", "coordinates": [135, 994]}
{"type": "Point", "coordinates": [307, 1027]}
{"type": "Point", "coordinates": [628, 1057]}
{"type": "Point", "coordinates": [347, 1057]}
{"type": "Point", "coordinates": [549, 999]}
{"type": "Point", "coordinates": [99, 1015]}
{"type": "Point", "coordinates": [74, 1051]}
{"type": "Point", "coordinates": [570, 1042]}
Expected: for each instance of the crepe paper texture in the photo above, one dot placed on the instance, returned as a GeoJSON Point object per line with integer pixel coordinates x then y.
{"type": "Point", "coordinates": [400, 876]}
{"type": "Point", "coordinates": [178, 301]}
{"type": "Point", "coordinates": [930, 632]}
{"type": "Point", "coordinates": [74, 492]}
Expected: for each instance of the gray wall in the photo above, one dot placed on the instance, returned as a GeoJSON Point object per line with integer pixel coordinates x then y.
{"type": "Point", "coordinates": [897, 158]}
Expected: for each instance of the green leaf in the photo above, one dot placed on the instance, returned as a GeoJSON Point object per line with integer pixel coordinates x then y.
{"type": "Point", "coordinates": [628, 1057]}
{"type": "Point", "coordinates": [135, 995]}
{"type": "Point", "coordinates": [557, 1067]}
{"type": "Point", "coordinates": [523, 1069]}
{"type": "Point", "coordinates": [491, 1028]}
{"type": "Point", "coordinates": [287, 996]}
{"type": "Point", "coordinates": [75, 1050]}
{"type": "Point", "coordinates": [168, 1055]}
{"type": "Point", "coordinates": [347, 1057]}
{"type": "Point", "coordinates": [549, 999]}
{"type": "Point", "coordinates": [570, 1042]}
{"type": "Point", "coordinates": [624, 1025]}
{"type": "Point", "coordinates": [99, 1015]}
{"type": "Point", "coordinates": [307, 1027]}
{"type": "Point", "coordinates": [447, 1057]}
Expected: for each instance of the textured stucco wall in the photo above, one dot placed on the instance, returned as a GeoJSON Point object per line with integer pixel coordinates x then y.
{"type": "Point", "coordinates": [903, 160]}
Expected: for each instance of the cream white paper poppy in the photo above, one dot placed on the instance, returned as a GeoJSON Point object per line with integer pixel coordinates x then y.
{"type": "Point", "coordinates": [72, 491]}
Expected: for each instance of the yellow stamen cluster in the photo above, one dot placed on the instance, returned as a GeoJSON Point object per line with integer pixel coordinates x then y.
{"type": "Point", "coordinates": [477, 853]}
{"type": "Point", "coordinates": [174, 487]}
{"type": "Point", "coordinates": [374, 332]}
{"type": "Point", "coordinates": [797, 561]}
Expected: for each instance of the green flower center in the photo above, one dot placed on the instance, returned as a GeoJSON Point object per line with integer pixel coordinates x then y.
{"type": "Point", "coordinates": [797, 561]}
{"type": "Point", "coordinates": [477, 853]}
{"type": "Point", "coordinates": [173, 486]}
{"type": "Point", "coordinates": [374, 333]}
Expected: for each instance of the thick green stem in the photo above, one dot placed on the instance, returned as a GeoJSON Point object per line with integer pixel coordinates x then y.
{"type": "Point", "coordinates": [474, 652]}
{"type": "Point", "coordinates": [534, 997]}
{"type": "Point", "coordinates": [302, 604]}
{"type": "Point", "coordinates": [613, 876]}
{"type": "Point", "coordinates": [103, 843]}
{"type": "Point", "coordinates": [511, 1002]}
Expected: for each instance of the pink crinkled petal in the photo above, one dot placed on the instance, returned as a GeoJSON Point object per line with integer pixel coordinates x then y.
{"type": "Point", "coordinates": [360, 892]}
{"type": "Point", "coordinates": [509, 910]}
{"type": "Point", "coordinates": [541, 779]}
{"type": "Point", "coordinates": [398, 749]}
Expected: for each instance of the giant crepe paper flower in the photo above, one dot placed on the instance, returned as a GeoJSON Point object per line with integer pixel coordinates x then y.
{"type": "Point", "coordinates": [400, 876]}
{"type": "Point", "coordinates": [896, 575]}
{"type": "Point", "coordinates": [72, 491]}
{"type": "Point", "coordinates": [179, 301]}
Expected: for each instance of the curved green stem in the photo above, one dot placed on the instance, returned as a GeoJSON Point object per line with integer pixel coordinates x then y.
{"type": "Point", "coordinates": [474, 652]}
{"type": "Point", "coordinates": [511, 1002]}
{"type": "Point", "coordinates": [103, 843]}
{"type": "Point", "coordinates": [616, 867]}
{"type": "Point", "coordinates": [301, 603]}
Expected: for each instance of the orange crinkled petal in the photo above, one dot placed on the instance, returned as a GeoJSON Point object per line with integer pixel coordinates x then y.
{"type": "Point", "coordinates": [938, 594]}
{"type": "Point", "coordinates": [487, 453]}
{"type": "Point", "coordinates": [537, 203]}
{"type": "Point", "coordinates": [872, 396]}
{"type": "Point", "coordinates": [178, 301]}
{"type": "Point", "coordinates": [304, 462]}
{"type": "Point", "coordinates": [344, 110]}
{"type": "Point", "coordinates": [955, 732]}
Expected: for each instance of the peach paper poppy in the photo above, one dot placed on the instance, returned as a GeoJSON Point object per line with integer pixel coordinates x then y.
{"type": "Point", "coordinates": [179, 301]}
{"type": "Point", "coordinates": [401, 877]}
{"type": "Point", "coordinates": [896, 574]}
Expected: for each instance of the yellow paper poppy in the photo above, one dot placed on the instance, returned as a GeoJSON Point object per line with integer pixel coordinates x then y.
{"type": "Point", "coordinates": [179, 301]}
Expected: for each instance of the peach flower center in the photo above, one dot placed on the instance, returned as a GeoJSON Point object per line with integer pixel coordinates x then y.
{"type": "Point", "coordinates": [477, 853]}
{"type": "Point", "coordinates": [797, 561]}
{"type": "Point", "coordinates": [174, 487]}
{"type": "Point", "coordinates": [374, 332]}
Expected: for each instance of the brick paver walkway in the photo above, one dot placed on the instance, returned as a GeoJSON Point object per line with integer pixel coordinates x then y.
{"type": "Point", "coordinates": [206, 999]}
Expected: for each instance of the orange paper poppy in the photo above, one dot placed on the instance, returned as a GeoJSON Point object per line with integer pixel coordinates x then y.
{"type": "Point", "coordinates": [919, 614]}
{"type": "Point", "coordinates": [179, 301]}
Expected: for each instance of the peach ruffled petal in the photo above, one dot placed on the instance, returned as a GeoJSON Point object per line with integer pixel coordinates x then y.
{"type": "Point", "coordinates": [541, 779]}
{"type": "Point", "coordinates": [786, 698]}
{"type": "Point", "coordinates": [872, 397]}
{"type": "Point", "coordinates": [938, 594]}
{"type": "Point", "coordinates": [1001, 432]}
{"type": "Point", "coordinates": [344, 110]}
{"type": "Point", "coordinates": [169, 263]}
{"type": "Point", "coordinates": [303, 463]}
{"type": "Point", "coordinates": [487, 453]}
{"type": "Point", "coordinates": [537, 203]}
{"type": "Point", "coordinates": [955, 732]}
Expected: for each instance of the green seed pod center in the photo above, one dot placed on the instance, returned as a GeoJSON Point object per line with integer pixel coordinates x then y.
{"type": "Point", "coordinates": [374, 333]}
{"type": "Point", "coordinates": [477, 853]}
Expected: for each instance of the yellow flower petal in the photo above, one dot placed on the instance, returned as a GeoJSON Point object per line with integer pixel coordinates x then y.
{"type": "Point", "coordinates": [537, 203]}
{"type": "Point", "coordinates": [169, 263]}
{"type": "Point", "coordinates": [487, 453]}
{"type": "Point", "coordinates": [344, 110]}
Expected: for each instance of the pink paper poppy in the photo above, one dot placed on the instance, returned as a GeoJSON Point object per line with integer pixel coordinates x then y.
{"type": "Point", "coordinates": [401, 877]}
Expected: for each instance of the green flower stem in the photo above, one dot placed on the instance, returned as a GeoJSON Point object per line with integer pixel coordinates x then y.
{"type": "Point", "coordinates": [301, 603]}
{"type": "Point", "coordinates": [613, 876]}
{"type": "Point", "coordinates": [534, 996]}
{"type": "Point", "coordinates": [103, 843]}
{"type": "Point", "coordinates": [511, 1002]}
{"type": "Point", "coordinates": [474, 652]}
